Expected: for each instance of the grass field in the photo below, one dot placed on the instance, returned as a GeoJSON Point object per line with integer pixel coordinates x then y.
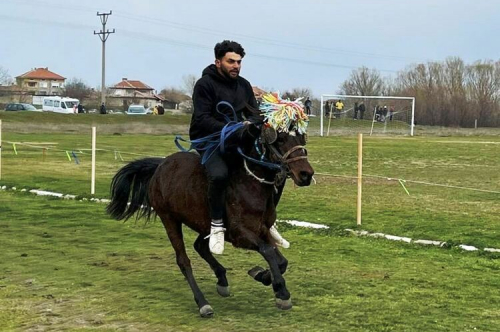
{"type": "Point", "coordinates": [63, 270]}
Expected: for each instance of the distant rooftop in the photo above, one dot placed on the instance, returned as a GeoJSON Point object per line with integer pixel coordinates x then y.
{"type": "Point", "coordinates": [132, 84]}
{"type": "Point", "coordinates": [41, 73]}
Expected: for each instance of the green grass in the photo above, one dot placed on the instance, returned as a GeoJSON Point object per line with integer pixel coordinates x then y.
{"type": "Point", "coordinates": [61, 270]}
{"type": "Point", "coordinates": [38, 122]}
{"type": "Point", "coordinates": [429, 212]}
{"type": "Point", "coordinates": [64, 265]}
{"type": "Point", "coordinates": [42, 118]}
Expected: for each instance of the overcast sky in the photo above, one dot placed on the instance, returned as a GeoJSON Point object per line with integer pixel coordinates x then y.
{"type": "Point", "coordinates": [312, 44]}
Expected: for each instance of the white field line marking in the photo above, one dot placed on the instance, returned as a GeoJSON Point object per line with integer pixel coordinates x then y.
{"type": "Point", "coordinates": [296, 223]}
{"type": "Point", "coordinates": [411, 181]}
{"type": "Point", "coordinates": [304, 224]}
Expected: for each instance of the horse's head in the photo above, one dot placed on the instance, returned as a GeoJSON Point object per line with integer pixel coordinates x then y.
{"type": "Point", "coordinates": [288, 149]}
{"type": "Point", "coordinates": [282, 137]}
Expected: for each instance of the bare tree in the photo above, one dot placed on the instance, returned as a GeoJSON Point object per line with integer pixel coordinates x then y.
{"type": "Point", "coordinates": [174, 95]}
{"type": "Point", "coordinates": [455, 110]}
{"type": "Point", "coordinates": [297, 93]}
{"type": "Point", "coordinates": [76, 88]}
{"type": "Point", "coordinates": [363, 82]}
{"type": "Point", "coordinates": [425, 82]}
{"type": "Point", "coordinates": [189, 82]}
{"type": "Point", "coordinates": [452, 93]}
{"type": "Point", "coordinates": [388, 86]}
{"type": "Point", "coordinates": [483, 86]}
{"type": "Point", "coordinates": [5, 78]}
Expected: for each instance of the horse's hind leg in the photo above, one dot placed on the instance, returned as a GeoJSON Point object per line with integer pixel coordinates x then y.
{"type": "Point", "coordinates": [264, 276]}
{"type": "Point", "coordinates": [201, 246]}
{"type": "Point", "coordinates": [174, 232]}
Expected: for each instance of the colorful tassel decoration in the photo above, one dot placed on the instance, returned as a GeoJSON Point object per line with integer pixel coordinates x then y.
{"type": "Point", "coordinates": [284, 115]}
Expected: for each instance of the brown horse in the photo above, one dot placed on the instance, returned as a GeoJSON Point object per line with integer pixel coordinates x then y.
{"type": "Point", "coordinates": [176, 189]}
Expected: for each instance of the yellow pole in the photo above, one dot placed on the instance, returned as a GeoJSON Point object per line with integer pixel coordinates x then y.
{"type": "Point", "coordinates": [0, 149]}
{"type": "Point", "coordinates": [92, 184]}
{"type": "Point", "coordinates": [329, 121]}
{"type": "Point", "coordinates": [360, 177]}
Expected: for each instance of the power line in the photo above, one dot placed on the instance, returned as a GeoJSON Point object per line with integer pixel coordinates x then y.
{"type": "Point", "coordinates": [164, 40]}
{"type": "Point", "coordinates": [267, 41]}
{"type": "Point", "coordinates": [43, 22]}
{"type": "Point", "coordinates": [225, 34]}
{"type": "Point", "coordinates": [142, 36]}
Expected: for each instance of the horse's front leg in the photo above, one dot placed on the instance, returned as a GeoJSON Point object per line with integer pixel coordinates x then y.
{"type": "Point", "coordinates": [283, 300]}
{"type": "Point", "coordinates": [263, 275]}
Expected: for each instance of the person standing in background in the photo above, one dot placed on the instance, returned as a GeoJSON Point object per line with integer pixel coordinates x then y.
{"type": "Point", "coordinates": [339, 106]}
{"type": "Point", "coordinates": [102, 109]}
{"type": "Point", "coordinates": [308, 104]}
{"type": "Point", "coordinates": [391, 112]}
{"type": "Point", "coordinates": [362, 110]}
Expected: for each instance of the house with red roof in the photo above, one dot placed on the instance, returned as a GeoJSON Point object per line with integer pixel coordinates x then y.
{"type": "Point", "coordinates": [41, 81]}
{"type": "Point", "coordinates": [129, 92]}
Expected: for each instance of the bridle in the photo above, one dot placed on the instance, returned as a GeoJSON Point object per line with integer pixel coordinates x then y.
{"type": "Point", "coordinates": [283, 159]}
{"type": "Point", "coordinates": [282, 168]}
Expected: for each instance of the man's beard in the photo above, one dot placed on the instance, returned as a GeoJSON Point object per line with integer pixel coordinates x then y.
{"type": "Point", "coordinates": [227, 74]}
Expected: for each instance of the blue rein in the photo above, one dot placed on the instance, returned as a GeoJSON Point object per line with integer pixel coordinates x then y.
{"type": "Point", "coordinates": [277, 167]}
{"type": "Point", "coordinates": [214, 141]}
{"type": "Point", "coordinates": [217, 140]}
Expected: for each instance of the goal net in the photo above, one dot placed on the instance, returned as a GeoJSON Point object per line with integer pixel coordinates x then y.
{"type": "Point", "coordinates": [373, 115]}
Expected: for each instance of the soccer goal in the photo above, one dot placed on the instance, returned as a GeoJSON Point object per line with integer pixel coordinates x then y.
{"type": "Point", "coordinates": [382, 115]}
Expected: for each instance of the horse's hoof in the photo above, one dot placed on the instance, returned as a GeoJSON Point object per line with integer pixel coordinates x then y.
{"type": "Point", "coordinates": [284, 304]}
{"type": "Point", "coordinates": [223, 291]}
{"type": "Point", "coordinates": [260, 275]}
{"type": "Point", "coordinates": [206, 311]}
{"type": "Point", "coordinates": [255, 271]}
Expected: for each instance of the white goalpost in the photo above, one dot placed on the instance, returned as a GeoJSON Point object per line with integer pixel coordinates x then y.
{"type": "Point", "coordinates": [378, 115]}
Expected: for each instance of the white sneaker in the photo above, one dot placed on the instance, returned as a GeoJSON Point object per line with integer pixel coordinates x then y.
{"type": "Point", "coordinates": [216, 241]}
{"type": "Point", "coordinates": [278, 238]}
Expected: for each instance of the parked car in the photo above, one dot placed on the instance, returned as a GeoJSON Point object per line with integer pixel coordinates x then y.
{"type": "Point", "coordinates": [115, 112]}
{"type": "Point", "coordinates": [20, 107]}
{"type": "Point", "coordinates": [136, 110]}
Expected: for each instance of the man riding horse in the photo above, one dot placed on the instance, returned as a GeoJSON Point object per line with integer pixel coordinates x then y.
{"type": "Point", "coordinates": [176, 188]}
{"type": "Point", "coordinates": [221, 82]}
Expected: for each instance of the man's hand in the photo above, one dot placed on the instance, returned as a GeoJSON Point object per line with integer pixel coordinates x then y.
{"type": "Point", "coordinates": [251, 128]}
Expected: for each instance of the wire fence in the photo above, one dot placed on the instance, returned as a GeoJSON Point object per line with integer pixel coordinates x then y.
{"type": "Point", "coordinates": [72, 155]}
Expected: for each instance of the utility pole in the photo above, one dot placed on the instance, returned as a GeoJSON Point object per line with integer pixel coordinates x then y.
{"type": "Point", "coordinates": [103, 35]}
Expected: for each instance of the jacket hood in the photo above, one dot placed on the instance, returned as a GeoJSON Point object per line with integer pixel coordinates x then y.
{"type": "Point", "coordinates": [212, 71]}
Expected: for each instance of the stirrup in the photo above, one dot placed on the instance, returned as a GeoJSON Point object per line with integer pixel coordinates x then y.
{"type": "Point", "coordinates": [278, 238]}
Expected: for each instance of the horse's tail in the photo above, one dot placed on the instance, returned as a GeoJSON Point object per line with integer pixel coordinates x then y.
{"type": "Point", "coordinates": [132, 183]}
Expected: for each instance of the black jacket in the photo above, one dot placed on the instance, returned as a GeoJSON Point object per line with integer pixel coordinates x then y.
{"type": "Point", "coordinates": [212, 88]}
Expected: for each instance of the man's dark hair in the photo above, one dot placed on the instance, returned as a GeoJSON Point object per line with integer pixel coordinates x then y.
{"type": "Point", "coordinates": [226, 46]}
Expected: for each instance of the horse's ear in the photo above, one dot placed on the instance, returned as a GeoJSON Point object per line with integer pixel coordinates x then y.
{"type": "Point", "coordinates": [269, 135]}
{"type": "Point", "coordinates": [303, 139]}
